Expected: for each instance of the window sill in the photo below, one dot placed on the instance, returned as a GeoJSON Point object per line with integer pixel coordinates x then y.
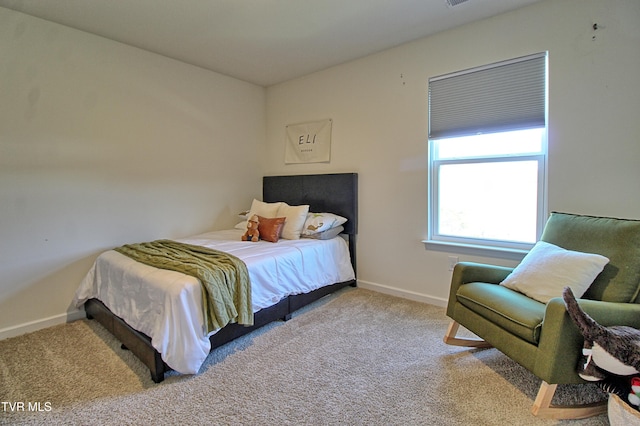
{"type": "Point", "coordinates": [475, 250]}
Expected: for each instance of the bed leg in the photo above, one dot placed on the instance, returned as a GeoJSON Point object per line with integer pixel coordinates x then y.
{"type": "Point", "coordinates": [124, 347]}
{"type": "Point", "coordinates": [287, 317]}
{"type": "Point", "coordinates": [157, 378]}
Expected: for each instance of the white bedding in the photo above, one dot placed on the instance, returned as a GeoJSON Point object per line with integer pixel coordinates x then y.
{"type": "Point", "coordinates": [167, 305]}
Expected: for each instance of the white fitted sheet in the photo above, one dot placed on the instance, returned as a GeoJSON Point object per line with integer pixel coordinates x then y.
{"type": "Point", "coordinates": [167, 305]}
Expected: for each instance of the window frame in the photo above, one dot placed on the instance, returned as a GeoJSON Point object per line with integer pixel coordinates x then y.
{"type": "Point", "coordinates": [474, 102]}
{"type": "Point", "coordinates": [436, 238]}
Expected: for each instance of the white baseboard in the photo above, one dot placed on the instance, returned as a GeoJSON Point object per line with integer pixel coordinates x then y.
{"type": "Point", "coordinates": [405, 294]}
{"type": "Point", "coordinates": [32, 326]}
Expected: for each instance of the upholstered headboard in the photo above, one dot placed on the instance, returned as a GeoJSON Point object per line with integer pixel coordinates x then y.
{"type": "Point", "coordinates": [333, 193]}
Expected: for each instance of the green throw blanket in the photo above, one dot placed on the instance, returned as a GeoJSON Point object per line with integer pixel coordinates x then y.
{"type": "Point", "coordinates": [226, 290]}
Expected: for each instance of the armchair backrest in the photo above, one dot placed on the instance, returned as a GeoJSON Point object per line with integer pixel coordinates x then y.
{"type": "Point", "coordinates": [617, 239]}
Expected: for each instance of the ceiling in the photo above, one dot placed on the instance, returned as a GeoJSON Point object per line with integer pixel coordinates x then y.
{"type": "Point", "coordinates": [263, 41]}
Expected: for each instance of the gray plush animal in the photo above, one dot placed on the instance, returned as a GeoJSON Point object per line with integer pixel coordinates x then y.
{"type": "Point", "coordinates": [611, 355]}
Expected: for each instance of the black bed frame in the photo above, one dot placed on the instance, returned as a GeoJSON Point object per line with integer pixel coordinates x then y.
{"type": "Point", "coordinates": [336, 193]}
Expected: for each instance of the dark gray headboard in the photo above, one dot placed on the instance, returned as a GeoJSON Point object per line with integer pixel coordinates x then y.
{"type": "Point", "coordinates": [332, 193]}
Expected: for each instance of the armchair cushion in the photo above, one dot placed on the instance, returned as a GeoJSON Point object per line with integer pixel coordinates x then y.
{"type": "Point", "coordinates": [547, 269]}
{"type": "Point", "coordinates": [511, 310]}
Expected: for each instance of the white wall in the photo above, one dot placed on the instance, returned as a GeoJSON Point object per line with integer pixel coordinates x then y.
{"type": "Point", "coordinates": [103, 144]}
{"type": "Point", "coordinates": [379, 109]}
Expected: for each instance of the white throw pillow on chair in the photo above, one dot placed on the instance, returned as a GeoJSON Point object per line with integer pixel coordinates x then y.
{"type": "Point", "coordinates": [547, 269]}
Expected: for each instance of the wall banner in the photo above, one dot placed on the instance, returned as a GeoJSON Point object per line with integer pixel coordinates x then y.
{"type": "Point", "coordinates": [308, 142]}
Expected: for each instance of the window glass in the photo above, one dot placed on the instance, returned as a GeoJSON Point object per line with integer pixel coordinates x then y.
{"type": "Point", "coordinates": [495, 201]}
{"type": "Point", "coordinates": [506, 143]}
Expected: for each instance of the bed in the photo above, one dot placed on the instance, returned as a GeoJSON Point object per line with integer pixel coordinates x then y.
{"type": "Point", "coordinates": [139, 305]}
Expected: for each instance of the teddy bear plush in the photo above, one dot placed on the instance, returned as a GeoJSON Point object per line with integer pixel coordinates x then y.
{"type": "Point", "coordinates": [252, 233]}
{"type": "Point", "coordinates": [611, 355]}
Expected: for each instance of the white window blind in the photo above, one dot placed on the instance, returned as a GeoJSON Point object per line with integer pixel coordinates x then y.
{"type": "Point", "coordinates": [493, 98]}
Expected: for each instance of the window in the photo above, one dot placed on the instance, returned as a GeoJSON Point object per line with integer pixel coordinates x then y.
{"type": "Point", "coordinates": [487, 155]}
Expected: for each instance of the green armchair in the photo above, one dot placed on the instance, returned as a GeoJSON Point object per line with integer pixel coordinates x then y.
{"type": "Point", "coordinates": [541, 337]}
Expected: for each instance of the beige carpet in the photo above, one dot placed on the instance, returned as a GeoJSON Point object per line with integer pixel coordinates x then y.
{"type": "Point", "coordinates": [354, 358]}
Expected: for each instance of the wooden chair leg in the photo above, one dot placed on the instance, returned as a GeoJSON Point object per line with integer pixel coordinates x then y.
{"type": "Point", "coordinates": [542, 406]}
{"type": "Point", "coordinates": [451, 339]}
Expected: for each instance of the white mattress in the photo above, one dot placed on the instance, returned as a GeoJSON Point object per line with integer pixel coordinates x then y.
{"type": "Point", "coordinates": [167, 305]}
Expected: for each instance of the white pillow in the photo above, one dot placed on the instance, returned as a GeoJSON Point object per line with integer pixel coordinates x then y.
{"type": "Point", "coordinates": [295, 217]}
{"type": "Point", "coordinates": [547, 269]}
{"type": "Point", "coordinates": [268, 210]}
{"type": "Point", "coordinates": [320, 222]}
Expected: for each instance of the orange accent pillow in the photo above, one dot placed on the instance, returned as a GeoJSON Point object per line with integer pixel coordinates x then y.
{"type": "Point", "coordinates": [270, 229]}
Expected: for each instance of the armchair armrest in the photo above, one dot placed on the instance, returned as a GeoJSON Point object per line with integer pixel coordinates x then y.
{"type": "Point", "coordinates": [561, 342]}
{"type": "Point", "coordinates": [470, 272]}
{"type": "Point", "coordinates": [610, 313]}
